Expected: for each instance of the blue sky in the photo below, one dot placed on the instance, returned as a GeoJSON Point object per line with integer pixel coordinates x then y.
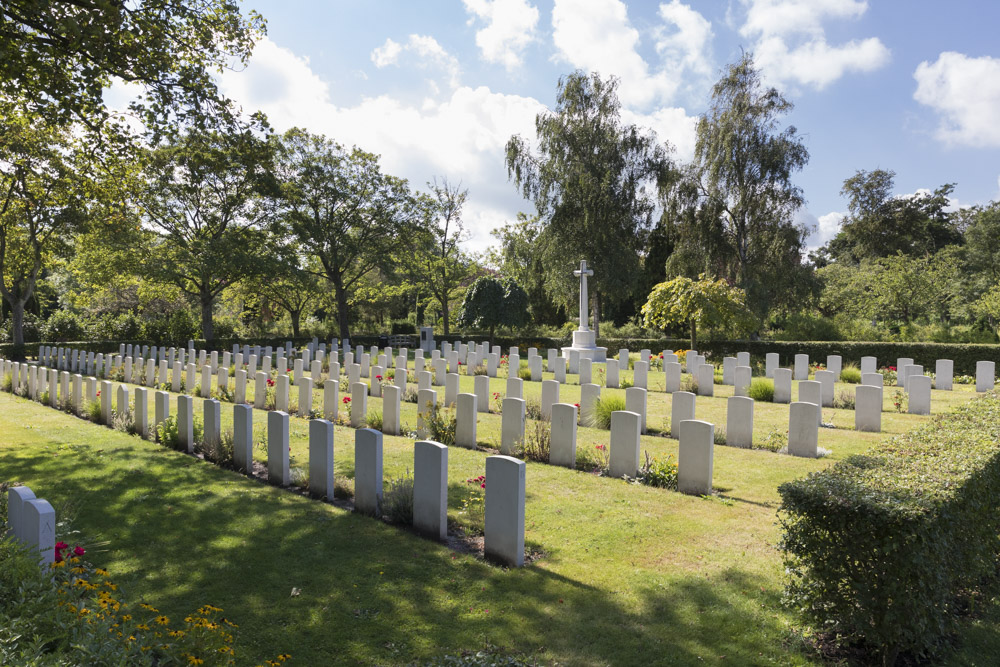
{"type": "Point", "coordinates": [437, 87]}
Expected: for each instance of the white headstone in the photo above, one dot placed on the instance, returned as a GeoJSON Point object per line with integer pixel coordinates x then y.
{"type": "Point", "coordinates": [868, 408]}
{"type": "Point", "coordinates": [803, 429]}
{"type": "Point", "coordinates": [682, 406]}
{"type": "Point", "coordinates": [368, 471]}
{"type": "Point", "coordinates": [512, 424]}
{"type": "Point", "coordinates": [505, 491]}
{"type": "Point", "coordinates": [739, 421]}
{"type": "Point", "coordinates": [277, 448]}
{"type": "Point", "coordinates": [944, 373]}
{"type": "Point", "coordinates": [466, 418]}
{"type": "Point", "coordinates": [430, 488]}
{"type": "Point", "coordinates": [243, 438]}
{"type": "Point", "coordinates": [624, 449]}
{"type": "Point", "coordinates": [695, 456]}
{"type": "Point", "coordinates": [562, 450]}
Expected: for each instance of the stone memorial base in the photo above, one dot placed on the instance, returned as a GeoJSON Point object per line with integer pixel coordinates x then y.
{"type": "Point", "coordinates": [584, 343]}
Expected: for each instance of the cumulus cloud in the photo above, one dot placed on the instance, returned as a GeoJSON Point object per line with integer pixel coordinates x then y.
{"type": "Point", "coordinates": [461, 136]}
{"type": "Point", "coordinates": [684, 40]}
{"type": "Point", "coordinates": [790, 42]}
{"type": "Point", "coordinates": [429, 54]}
{"type": "Point", "coordinates": [965, 92]}
{"type": "Point", "coordinates": [510, 28]}
{"type": "Point", "coordinates": [821, 230]}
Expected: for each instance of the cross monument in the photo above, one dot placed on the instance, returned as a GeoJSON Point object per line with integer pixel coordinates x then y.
{"type": "Point", "coordinates": [582, 273]}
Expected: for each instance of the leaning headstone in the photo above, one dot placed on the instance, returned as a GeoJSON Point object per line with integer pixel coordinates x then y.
{"type": "Point", "coordinates": [277, 448]}
{"type": "Point", "coordinates": [944, 373]}
{"type": "Point", "coordinates": [695, 456]}
{"type": "Point", "coordinates": [801, 367]}
{"type": "Point", "coordinates": [466, 418]}
{"type": "Point", "coordinates": [321, 458]}
{"type": "Point", "coordinates": [868, 408]}
{"type": "Point", "coordinates": [368, 471]}
{"type": "Point", "coordinates": [503, 538]}
{"type": "Point", "coordinates": [512, 419]}
{"type": "Point", "coordinates": [985, 375]}
{"type": "Point", "coordinates": [430, 488]}
{"type": "Point", "coordinates": [17, 496]}
{"type": "Point", "coordinates": [562, 450]}
{"type": "Point", "coordinates": [803, 430]}
{"type": "Point", "coordinates": [243, 438]}
{"type": "Point", "coordinates": [919, 389]}
{"type": "Point", "coordinates": [550, 396]}
{"type": "Point", "coordinates": [681, 409]}
{"type": "Point", "coordinates": [624, 449]}
{"type": "Point", "coordinates": [739, 421]}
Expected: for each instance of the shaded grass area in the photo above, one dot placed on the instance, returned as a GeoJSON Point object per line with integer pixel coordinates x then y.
{"type": "Point", "coordinates": [630, 574]}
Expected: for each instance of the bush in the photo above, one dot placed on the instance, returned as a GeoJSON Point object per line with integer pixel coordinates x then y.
{"type": "Point", "coordinates": [845, 400]}
{"type": "Point", "coordinates": [374, 420]}
{"type": "Point", "coordinates": [660, 472]}
{"type": "Point", "coordinates": [397, 500]}
{"type": "Point", "coordinates": [92, 411]}
{"type": "Point", "coordinates": [850, 374]}
{"type": "Point", "coordinates": [440, 424]}
{"type": "Point", "coordinates": [880, 545]}
{"type": "Point", "coordinates": [761, 389]}
{"type": "Point", "coordinates": [63, 326]}
{"type": "Point", "coordinates": [536, 443]}
{"type": "Point", "coordinates": [603, 409]}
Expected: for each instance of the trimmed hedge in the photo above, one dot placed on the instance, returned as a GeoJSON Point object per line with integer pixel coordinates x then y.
{"type": "Point", "coordinates": [881, 545]}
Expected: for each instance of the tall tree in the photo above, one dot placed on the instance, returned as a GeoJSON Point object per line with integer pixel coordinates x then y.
{"type": "Point", "coordinates": [343, 210]}
{"type": "Point", "coordinates": [494, 302]}
{"type": "Point", "coordinates": [741, 185]}
{"type": "Point", "coordinates": [594, 184]}
{"type": "Point", "coordinates": [439, 265]}
{"type": "Point", "coordinates": [200, 197]}
{"type": "Point", "coordinates": [59, 56]}
{"type": "Point", "coordinates": [880, 224]}
{"type": "Point", "coordinates": [44, 188]}
{"type": "Point", "coordinates": [522, 256]}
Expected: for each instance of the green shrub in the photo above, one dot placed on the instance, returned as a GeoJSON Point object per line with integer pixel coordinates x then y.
{"type": "Point", "coordinates": [603, 409]}
{"type": "Point", "coordinates": [374, 420]}
{"type": "Point", "coordinates": [536, 443]}
{"type": "Point", "coordinates": [221, 452]}
{"type": "Point", "coordinates": [440, 424]}
{"type": "Point", "coordinates": [761, 389]}
{"type": "Point", "coordinates": [524, 373]}
{"type": "Point", "coordinates": [533, 409]}
{"type": "Point", "coordinates": [92, 411]}
{"type": "Point", "coordinates": [660, 472]}
{"type": "Point", "coordinates": [850, 374]}
{"type": "Point", "coordinates": [8, 383]}
{"type": "Point", "coordinates": [397, 499]}
{"type": "Point", "coordinates": [775, 441]}
{"type": "Point", "coordinates": [880, 546]}
{"type": "Point", "coordinates": [845, 400]}
{"type": "Point", "coordinates": [124, 421]}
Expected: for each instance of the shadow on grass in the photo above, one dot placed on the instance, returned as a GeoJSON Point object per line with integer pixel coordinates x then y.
{"type": "Point", "coordinates": [184, 533]}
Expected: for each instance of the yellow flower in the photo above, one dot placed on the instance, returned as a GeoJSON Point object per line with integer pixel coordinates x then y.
{"type": "Point", "coordinates": [284, 656]}
{"type": "Point", "coordinates": [101, 571]}
{"type": "Point", "coordinates": [148, 607]}
{"type": "Point", "coordinates": [195, 661]}
{"type": "Point", "coordinates": [162, 620]}
{"type": "Point", "coordinates": [61, 563]}
{"type": "Point", "coordinates": [126, 617]}
{"type": "Point", "coordinates": [142, 626]}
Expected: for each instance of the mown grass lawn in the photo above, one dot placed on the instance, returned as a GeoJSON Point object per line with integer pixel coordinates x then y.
{"type": "Point", "coordinates": [629, 574]}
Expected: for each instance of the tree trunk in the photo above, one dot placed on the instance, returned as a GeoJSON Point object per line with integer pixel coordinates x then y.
{"type": "Point", "coordinates": [444, 313]}
{"type": "Point", "coordinates": [694, 335]}
{"type": "Point", "coordinates": [597, 316]}
{"type": "Point", "coordinates": [295, 315]}
{"type": "Point", "coordinates": [492, 329]}
{"type": "Point", "coordinates": [343, 316]}
{"type": "Point", "coordinates": [207, 327]}
{"type": "Point", "coordinates": [17, 322]}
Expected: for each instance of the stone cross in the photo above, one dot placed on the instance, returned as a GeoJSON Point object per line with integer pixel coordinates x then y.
{"type": "Point", "coordinates": [582, 273]}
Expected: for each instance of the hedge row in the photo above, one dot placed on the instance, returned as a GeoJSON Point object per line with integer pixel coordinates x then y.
{"type": "Point", "coordinates": [881, 545]}
{"type": "Point", "coordinates": [965, 356]}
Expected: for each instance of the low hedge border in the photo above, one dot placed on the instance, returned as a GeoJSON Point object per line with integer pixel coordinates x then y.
{"type": "Point", "coordinates": [880, 546]}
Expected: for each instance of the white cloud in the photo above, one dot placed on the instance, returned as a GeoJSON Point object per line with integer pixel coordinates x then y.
{"type": "Point", "coordinates": [429, 53]}
{"type": "Point", "coordinates": [790, 42]}
{"type": "Point", "coordinates": [670, 124]}
{"type": "Point", "coordinates": [688, 44]}
{"type": "Point", "coordinates": [461, 136]}
{"type": "Point", "coordinates": [965, 92]}
{"type": "Point", "coordinates": [387, 54]}
{"type": "Point", "coordinates": [510, 28]}
{"type": "Point", "coordinates": [821, 230]}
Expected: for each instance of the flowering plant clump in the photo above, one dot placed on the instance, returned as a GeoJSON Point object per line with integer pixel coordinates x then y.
{"type": "Point", "coordinates": [270, 382]}
{"type": "Point", "coordinates": [496, 401]}
{"type": "Point", "coordinates": [346, 400]}
{"type": "Point", "coordinates": [474, 504]}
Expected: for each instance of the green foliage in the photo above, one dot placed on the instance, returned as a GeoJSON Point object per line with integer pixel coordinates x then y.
{"type": "Point", "coordinates": [62, 326]}
{"type": "Point", "coordinates": [440, 424]}
{"type": "Point", "coordinates": [761, 389]}
{"type": "Point", "coordinates": [880, 546]}
{"type": "Point", "coordinates": [774, 441]}
{"type": "Point", "coordinates": [850, 374]}
{"type": "Point", "coordinates": [844, 400]}
{"type": "Point", "coordinates": [536, 444]}
{"type": "Point", "coordinates": [7, 384]}
{"type": "Point", "coordinates": [397, 499]}
{"type": "Point", "coordinates": [594, 183]}
{"type": "Point", "coordinates": [659, 471]}
{"type": "Point", "coordinates": [697, 303]}
{"type": "Point", "coordinates": [374, 420]}
{"type": "Point", "coordinates": [220, 452]}
{"type": "Point", "coordinates": [92, 411]}
{"type": "Point", "coordinates": [603, 409]}
{"type": "Point", "coordinates": [123, 421]}
{"type": "Point", "coordinates": [491, 303]}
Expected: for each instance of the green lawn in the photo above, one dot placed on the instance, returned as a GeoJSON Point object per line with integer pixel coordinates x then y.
{"type": "Point", "coordinates": [629, 575]}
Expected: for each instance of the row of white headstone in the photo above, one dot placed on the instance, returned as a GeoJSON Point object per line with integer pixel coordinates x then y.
{"type": "Point", "coordinates": [32, 522]}
{"type": "Point", "coordinates": [504, 499]}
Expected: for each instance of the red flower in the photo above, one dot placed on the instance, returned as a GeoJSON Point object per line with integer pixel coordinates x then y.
{"type": "Point", "coordinates": [378, 377]}
{"type": "Point", "coordinates": [347, 399]}
{"type": "Point", "coordinates": [79, 551]}
{"type": "Point", "coordinates": [577, 405]}
{"type": "Point", "coordinates": [59, 557]}
{"type": "Point", "coordinates": [891, 368]}
{"type": "Point", "coordinates": [98, 392]}
{"type": "Point", "coordinates": [270, 382]}
{"type": "Point", "coordinates": [601, 447]}
{"type": "Point", "coordinates": [62, 545]}
{"type": "Point", "coordinates": [483, 485]}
